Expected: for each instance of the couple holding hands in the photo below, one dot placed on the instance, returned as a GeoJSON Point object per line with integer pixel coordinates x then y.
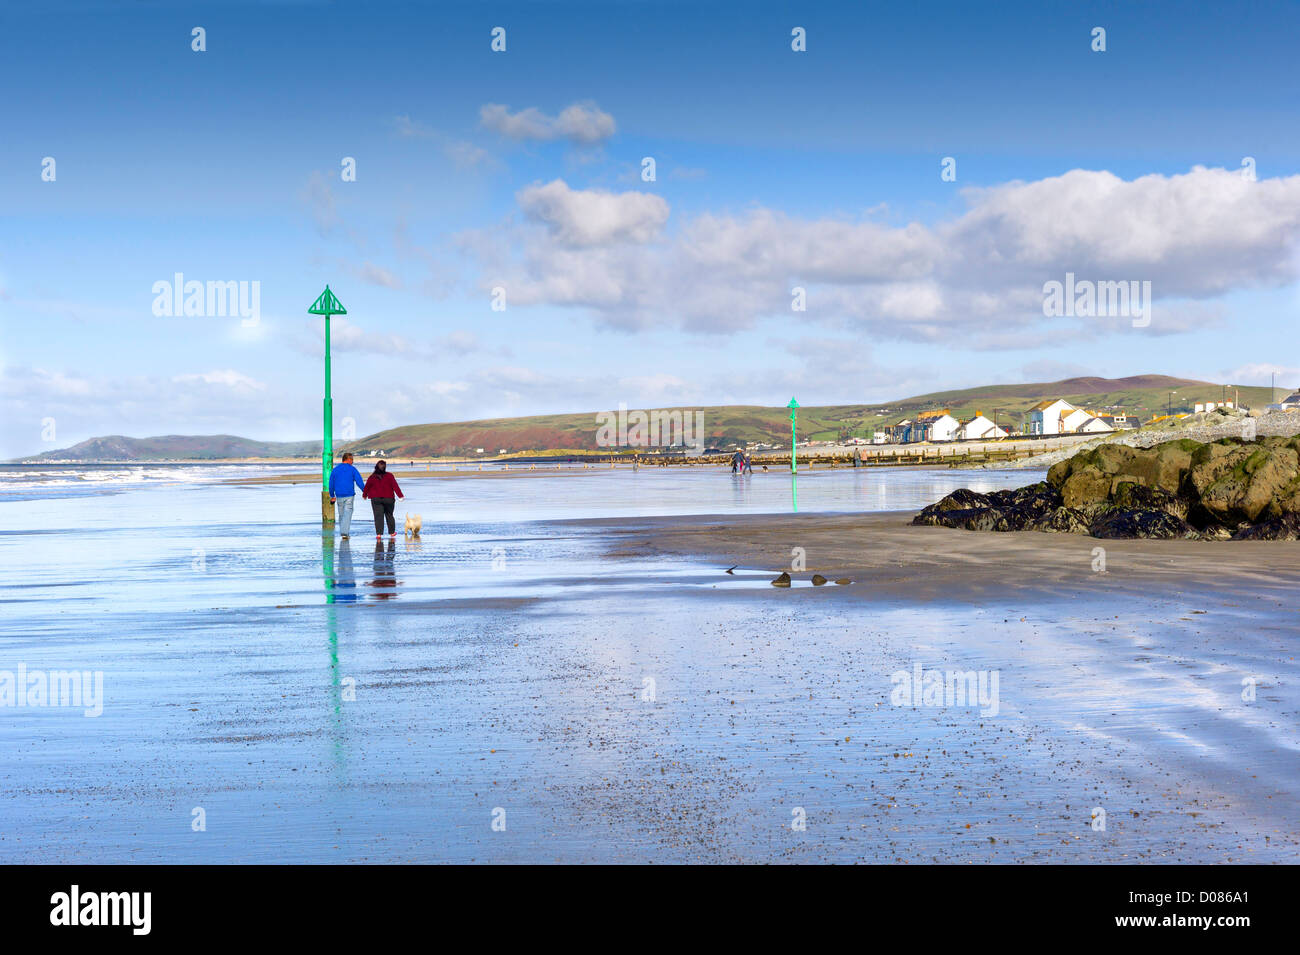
{"type": "Point", "coordinates": [380, 489]}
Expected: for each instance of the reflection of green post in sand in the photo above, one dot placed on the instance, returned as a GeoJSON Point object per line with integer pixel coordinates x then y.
{"type": "Point", "coordinates": [326, 304]}
{"type": "Point", "coordinates": [331, 622]}
{"type": "Point", "coordinates": [794, 464]}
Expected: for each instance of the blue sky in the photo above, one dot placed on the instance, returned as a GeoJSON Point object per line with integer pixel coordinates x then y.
{"type": "Point", "coordinates": [522, 170]}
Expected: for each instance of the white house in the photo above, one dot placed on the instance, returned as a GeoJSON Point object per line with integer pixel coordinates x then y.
{"type": "Point", "coordinates": [1046, 417]}
{"type": "Point", "coordinates": [944, 428]}
{"type": "Point", "coordinates": [1093, 425]}
{"type": "Point", "coordinates": [1074, 420]}
{"type": "Point", "coordinates": [980, 427]}
{"type": "Point", "coordinates": [1289, 403]}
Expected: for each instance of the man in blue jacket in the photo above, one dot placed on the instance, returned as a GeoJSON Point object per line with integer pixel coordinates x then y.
{"type": "Point", "coordinates": [342, 479]}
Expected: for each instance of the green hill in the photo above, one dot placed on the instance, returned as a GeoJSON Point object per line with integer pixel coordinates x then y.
{"type": "Point", "coordinates": [725, 426]}
{"type": "Point", "coordinates": [732, 425]}
{"type": "Point", "coordinates": [178, 447]}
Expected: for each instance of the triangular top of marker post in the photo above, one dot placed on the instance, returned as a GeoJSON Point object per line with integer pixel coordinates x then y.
{"type": "Point", "coordinates": [793, 404]}
{"type": "Point", "coordinates": [327, 304]}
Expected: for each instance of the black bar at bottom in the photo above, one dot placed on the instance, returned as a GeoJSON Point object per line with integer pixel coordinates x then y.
{"type": "Point", "coordinates": [211, 904]}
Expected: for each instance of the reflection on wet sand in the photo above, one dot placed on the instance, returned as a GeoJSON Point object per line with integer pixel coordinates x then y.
{"type": "Point", "coordinates": [340, 587]}
{"type": "Point", "coordinates": [340, 576]}
{"type": "Point", "coordinates": [385, 578]}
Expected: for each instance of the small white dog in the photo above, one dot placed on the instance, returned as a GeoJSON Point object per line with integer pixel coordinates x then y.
{"type": "Point", "coordinates": [413, 525]}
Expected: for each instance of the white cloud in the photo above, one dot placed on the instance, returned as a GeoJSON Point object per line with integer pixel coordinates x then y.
{"type": "Point", "coordinates": [592, 217]}
{"type": "Point", "coordinates": [1261, 373]}
{"type": "Point", "coordinates": [225, 378]}
{"type": "Point", "coordinates": [584, 123]}
{"type": "Point", "coordinates": [581, 123]}
{"type": "Point", "coordinates": [17, 382]}
{"type": "Point", "coordinates": [347, 337]}
{"type": "Point", "coordinates": [661, 387]}
{"type": "Point", "coordinates": [219, 400]}
{"type": "Point", "coordinates": [1194, 236]}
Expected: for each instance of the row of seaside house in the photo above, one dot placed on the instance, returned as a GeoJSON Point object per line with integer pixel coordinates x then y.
{"type": "Point", "coordinates": [1045, 418]}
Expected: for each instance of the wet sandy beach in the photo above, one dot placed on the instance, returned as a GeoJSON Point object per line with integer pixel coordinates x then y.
{"type": "Point", "coordinates": [514, 690]}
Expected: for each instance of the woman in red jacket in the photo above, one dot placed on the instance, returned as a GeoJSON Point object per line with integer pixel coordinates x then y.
{"type": "Point", "coordinates": [381, 490]}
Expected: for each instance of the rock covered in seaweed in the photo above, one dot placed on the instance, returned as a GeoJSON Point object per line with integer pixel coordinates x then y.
{"type": "Point", "coordinates": [1180, 489]}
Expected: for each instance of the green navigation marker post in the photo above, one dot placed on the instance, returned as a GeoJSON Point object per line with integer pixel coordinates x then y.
{"type": "Point", "coordinates": [326, 304]}
{"type": "Point", "coordinates": [794, 410]}
{"type": "Point", "coordinates": [794, 464]}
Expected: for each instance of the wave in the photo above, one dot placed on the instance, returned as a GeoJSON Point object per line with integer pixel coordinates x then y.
{"type": "Point", "coordinates": [34, 477]}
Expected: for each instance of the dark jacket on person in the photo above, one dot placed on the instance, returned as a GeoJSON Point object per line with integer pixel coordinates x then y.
{"type": "Point", "coordinates": [381, 485]}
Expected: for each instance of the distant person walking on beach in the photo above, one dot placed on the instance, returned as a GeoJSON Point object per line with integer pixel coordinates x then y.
{"type": "Point", "coordinates": [343, 479]}
{"type": "Point", "coordinates": [381, 490]}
